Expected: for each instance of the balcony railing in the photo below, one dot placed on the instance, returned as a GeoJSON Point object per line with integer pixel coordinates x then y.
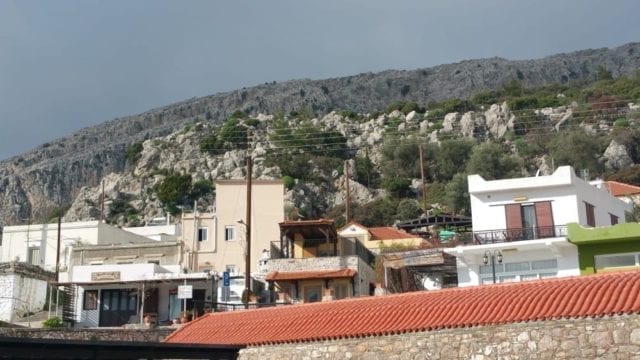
{"type": "Point", "coordinates": [508, 235]}
{"type": "Point", "coordinates": [349, 249]}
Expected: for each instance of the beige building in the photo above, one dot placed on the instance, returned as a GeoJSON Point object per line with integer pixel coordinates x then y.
{"type": "Point", "coordinates": [375, 238]}
{"type": "Point", "coordinates": [218, 241]}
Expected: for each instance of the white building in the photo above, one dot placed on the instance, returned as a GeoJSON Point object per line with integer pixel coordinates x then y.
{"type": "Point", "coordinates": [36, 244]}
{"type": "Point", "coordinates": [23, 290]}
{"type": "Point", "coordinates": [519, 226]}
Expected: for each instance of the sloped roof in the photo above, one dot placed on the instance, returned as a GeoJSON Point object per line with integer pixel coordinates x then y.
{"type": "Point", "coordinates": [389, 233]}
{"type": "Point", "coordinates": [594, 295]}
{"type": "Point", "coordinates": [303, 275]}
{"type": "Point", "coordinates": [620, 189]}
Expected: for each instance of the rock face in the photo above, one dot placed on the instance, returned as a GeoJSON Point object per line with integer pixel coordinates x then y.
{"type": "Point", "coordinates": [617, 157]}
{"type": "Point", "coordinates": [55, 173]}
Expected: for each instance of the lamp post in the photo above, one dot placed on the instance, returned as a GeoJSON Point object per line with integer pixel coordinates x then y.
{"type": "Point", "coordinates": [492, 257]}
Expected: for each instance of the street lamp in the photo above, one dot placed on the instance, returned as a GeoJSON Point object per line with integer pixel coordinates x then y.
{"type": "Point", "coordinates": [493, 257]}
{"type": "Point", "coordinates": [213, 275]}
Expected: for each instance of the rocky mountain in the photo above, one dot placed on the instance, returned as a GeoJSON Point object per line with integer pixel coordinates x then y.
{"type": "Point", "coordinates": [55, 173]}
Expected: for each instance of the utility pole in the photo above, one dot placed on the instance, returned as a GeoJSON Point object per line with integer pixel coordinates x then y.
{"type": "Point", "coordinates": [247, 275]}
{"type": "Point", "coordinates": [424, 183]}
{"type": "Point", "coordinates": [102, 204]}
{"type": "Point", "coordinates": [348, 197]}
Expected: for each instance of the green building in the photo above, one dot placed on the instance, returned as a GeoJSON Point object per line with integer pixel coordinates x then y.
{"type": "Point", "coordinates": [606, 248]}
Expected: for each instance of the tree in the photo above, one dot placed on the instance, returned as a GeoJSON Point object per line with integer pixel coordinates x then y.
{"type": "Point", "coordinates": [408, 209]}
{"type": "Point", "coordinates": [134, 152]}
{"type": "Point", "coordinates": [451, 156]}
{"type": "Point", "coordinates": [457, 195]}
{"type": "Point", "coordinates": [491, 161]}
{"type": "Point", "coordinates": [366, 173]}
{"type": "Point", "coordinates": [578, 149]}
{"type": "Point", "coordinates": [174, 190]}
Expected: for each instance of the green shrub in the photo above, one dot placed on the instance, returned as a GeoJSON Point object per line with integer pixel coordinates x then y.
{"type": "Point", "coordinates": [134, 152]}
{"type": "Point", "coordinates": [621, 123]}
{"type": "Point", "coordinates": [288, 182]}
{"type": "Point", "coordinates": [54, 322]}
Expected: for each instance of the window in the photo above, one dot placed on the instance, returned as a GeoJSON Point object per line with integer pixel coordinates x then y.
{"type": "Point", "coordinates": [519, 266]}
{"type": "Point", "coordinates": [614, 219]}
{"type": "Point", "coordinates": [544, 264]}
{"type": "Point", "coordinates": [231, 269]}
{"type": "Point", "coordinates": [529, 221]}
{"type": "Point", "coordinates": [591, 216]}
{"type": "Point", "coordinates": [202, 234]}
{"type": "Point", "coordinates": [229, 233]}
{"type": "Point", "coordinates": [34, 256]}
{"type": "Point", "coordinates": [90, 300]}
{"type": "Point", "coordinates": [157, 262]}
{"type": "Point", "coordinates": [340, 291]}
{"type": "Point", "coordinates": [605, 262]}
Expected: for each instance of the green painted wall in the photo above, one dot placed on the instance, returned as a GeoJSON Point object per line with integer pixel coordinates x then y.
{"type": "Point", "coordinates": [621, 238]}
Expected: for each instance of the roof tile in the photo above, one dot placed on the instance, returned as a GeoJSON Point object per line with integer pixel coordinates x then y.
{"type": "Point", "coordinates": [389, 233]}
{"type": "Point", "coordinates": [621, 189]}
{"type": "Point", "coordinates": [595, 295]}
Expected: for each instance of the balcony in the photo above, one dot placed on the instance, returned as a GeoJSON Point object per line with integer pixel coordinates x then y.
{"type": "Point", "coordinates": [510, 235]}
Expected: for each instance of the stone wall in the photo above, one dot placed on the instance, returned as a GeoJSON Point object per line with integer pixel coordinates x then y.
{"type": "Point", "coordinates": [615, 337]}
{"type": "Point", "coordinates": [135, 335]}
{"type": "Point", "coordinates": [314, 263]}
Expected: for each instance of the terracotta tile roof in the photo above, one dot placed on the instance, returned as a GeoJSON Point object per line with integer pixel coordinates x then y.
{"type": "Point", "coordinates": [585, 296]}
{"type": "Point", "coordinates": [620, 189]}
{"type": "Point", "coordinates": [389, 233]}
{"type": "Point", "coordinates": [302, 275]}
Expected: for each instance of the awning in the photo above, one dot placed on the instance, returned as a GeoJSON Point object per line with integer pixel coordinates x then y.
{"type": "Point", "coordinates": [307, 275]}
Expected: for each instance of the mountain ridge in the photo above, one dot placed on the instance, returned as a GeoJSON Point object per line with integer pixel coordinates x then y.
{"type": "Point", "coordinates": [54, 172]}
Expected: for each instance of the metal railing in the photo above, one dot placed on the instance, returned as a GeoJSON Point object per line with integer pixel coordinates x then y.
{"type": "Point", "coordinates": [351, 249]}
{"type": "Point", "coordinates": [509, 235]}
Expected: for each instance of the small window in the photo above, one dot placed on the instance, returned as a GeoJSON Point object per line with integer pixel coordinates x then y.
{"type": "Point", "coordinates": [90, 300]}
{"type": "Point", "coordinates": [231, 269]}
{"type": "Point", "coordinates": [229, 233]}
{"type": "Point", "coordinates": [519, 266]}
{"type": "Point", "coordinates": [614, 219]}
{"type": "Point", "coordinates": [202, 234]}
{"type": "Point", "coordinates": [157, 262]}
{"type": "Point", "coordinates": [340, 291]}
{"type": "Point", "coordinates": [34, 256]}
{"type": "Point", "coordinates": [488, 269]}
{"type": "Point", "coordinates": [544, 264]}
{"type": "Point", "coordinates": [591, 215]}
{"type": "Point", "coordinates": [614, 261]}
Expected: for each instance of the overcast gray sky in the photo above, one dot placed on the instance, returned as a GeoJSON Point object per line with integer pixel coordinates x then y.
{"type": "Point", "coordinates": [68, 64]}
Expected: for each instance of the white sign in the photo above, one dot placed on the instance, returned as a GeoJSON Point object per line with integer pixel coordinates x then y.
{"type": "Point", "coordinates": [185, 292]}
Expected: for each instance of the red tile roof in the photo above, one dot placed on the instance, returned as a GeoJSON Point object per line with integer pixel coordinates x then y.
{"type": "Point", "coordinates": [302, 275]}
{"type": "Point", "coordinates": [585, 296]}
{"type": "Point", "coordinates": [389, 233]}
{"type": "Point", "coordinates": [620, 189]}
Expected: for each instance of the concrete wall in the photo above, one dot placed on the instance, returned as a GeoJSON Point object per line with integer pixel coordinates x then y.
{"type": "Point", "coordinates": [615, 337]}
{"type": "Point", "coordinates": [267, 211]}
{"type": "Point", "coordinates": [563, 188]}
{"type": "Point", "coordinates": [20, 295]}
{"type": "Point", "coordinates": [137, 335]}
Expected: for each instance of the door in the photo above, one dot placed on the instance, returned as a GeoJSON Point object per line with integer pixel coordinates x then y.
{"type": "Point", "coordinates": [528, 222]}
{"type": "Point", "coordinates": [117, 306]}
{"type": "Point", "coordinates": [196, 303]}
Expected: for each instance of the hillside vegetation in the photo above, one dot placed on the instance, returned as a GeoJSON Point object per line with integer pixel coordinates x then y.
{"type": "Point", "coordinates": [509, 132]}
{"type": "Point", "coordinates": [47, 180]}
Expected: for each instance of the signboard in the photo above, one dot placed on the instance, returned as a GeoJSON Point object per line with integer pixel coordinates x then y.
{"type": "Point", "coordinates": [105, 276]}
{"type": "Point", "coordinates": [185, 292]}
{"type": "Point", "coordinates": [225, 279]}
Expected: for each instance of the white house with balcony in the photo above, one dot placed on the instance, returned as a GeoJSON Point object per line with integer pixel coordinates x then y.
{"type": "Point", "coordinates": [519, 226]}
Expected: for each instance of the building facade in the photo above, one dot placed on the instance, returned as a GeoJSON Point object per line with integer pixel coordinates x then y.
{"type": "Point", "coordinates": [519, 226]}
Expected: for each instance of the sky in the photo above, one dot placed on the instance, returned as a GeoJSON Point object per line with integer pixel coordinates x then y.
{"type": "Point", "coordinates": [69, 64]}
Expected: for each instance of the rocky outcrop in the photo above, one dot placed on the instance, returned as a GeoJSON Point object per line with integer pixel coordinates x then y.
{"type": "Point", "coordinates": [56, 172]}
{"type": "Point", "coordinates": [617, 157]}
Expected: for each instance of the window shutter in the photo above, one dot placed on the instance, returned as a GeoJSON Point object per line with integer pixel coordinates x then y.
{"type": "Point", "coordinates": [544, 219]}
{"type": "Point", "coordinates": [514, 221]}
